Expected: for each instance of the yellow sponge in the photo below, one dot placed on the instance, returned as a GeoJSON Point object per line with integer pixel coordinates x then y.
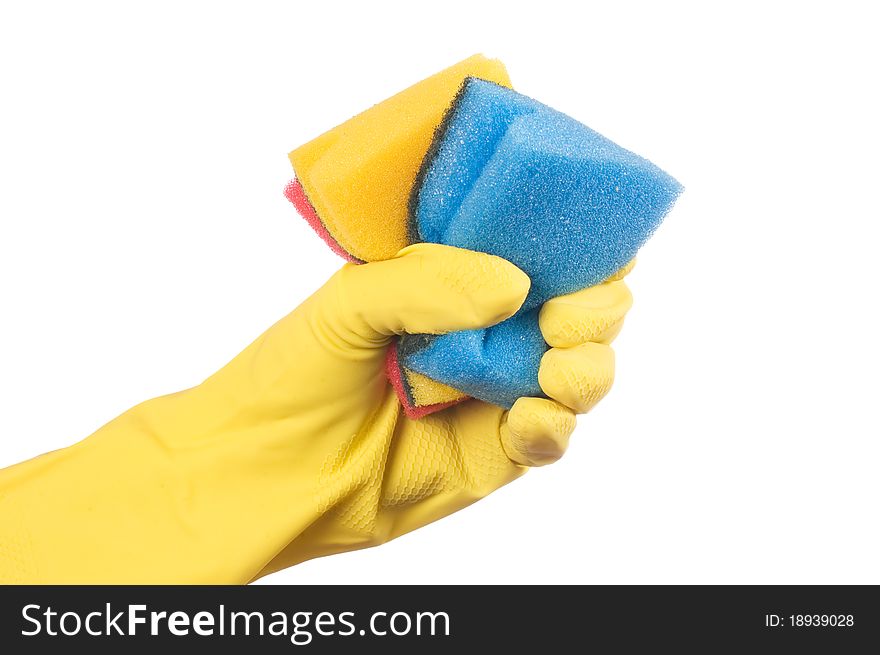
{"type": "Point", "coordinates": [425, 391]}
{"type": "Point", "coordinates": [359, 175]}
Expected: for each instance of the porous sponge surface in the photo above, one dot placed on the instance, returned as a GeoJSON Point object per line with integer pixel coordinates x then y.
{"type": "Point", "coordinates": [497, 365]}
{"type": "Point", "coordinates": [358, 175]}
{"type": "Point", "coordinates": [512, 177]}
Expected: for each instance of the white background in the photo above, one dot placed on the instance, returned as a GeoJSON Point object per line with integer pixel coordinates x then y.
{"type": "Point", "coordinates": [144, 240]}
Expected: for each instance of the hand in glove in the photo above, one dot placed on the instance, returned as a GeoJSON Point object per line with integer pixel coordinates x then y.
{"type": "Point", "coordinates": [298, 447]}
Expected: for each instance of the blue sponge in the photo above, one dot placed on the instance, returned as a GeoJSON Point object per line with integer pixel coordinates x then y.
{"type": "Point", "coordinates": [509, 176]}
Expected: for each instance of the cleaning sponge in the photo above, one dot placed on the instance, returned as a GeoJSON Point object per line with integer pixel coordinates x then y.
{"type": "Point", "coordinates": [511, 177]}
{"type": "Point", "coordinates": [461, 159]}
{"type": "Point", "coordinates": [515, 178]}
{"type": "Point", "coordinates": [356, 178]}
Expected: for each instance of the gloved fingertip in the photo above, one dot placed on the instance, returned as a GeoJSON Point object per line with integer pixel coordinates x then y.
{"type": "Point", "coordinates": [623, 272]}
{"type": "Point", "coordinates": [577, 377]}
{"type": "Point", "coordinates": [474, 289]}
{"type": "Point", "coordinates": [593, 314]}
{"type": "Point", "coordinates": [512, 289]}
{"type": "Point", "coordinates": [536, 431]}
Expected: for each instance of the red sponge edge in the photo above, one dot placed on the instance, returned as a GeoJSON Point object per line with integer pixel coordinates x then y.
{"type": "Point", "coordinates": [295, 193]}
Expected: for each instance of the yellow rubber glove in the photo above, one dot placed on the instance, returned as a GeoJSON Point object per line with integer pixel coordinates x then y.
{"type": "Point", "coordinates": [298, 447]}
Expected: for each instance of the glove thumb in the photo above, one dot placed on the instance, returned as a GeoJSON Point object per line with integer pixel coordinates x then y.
{"type": "Point", "coordinates": [424, 289]}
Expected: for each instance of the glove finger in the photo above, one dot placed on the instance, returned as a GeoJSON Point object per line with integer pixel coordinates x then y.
{"type": "Point", "coordinates": [623, 272]}
{"type": "Point", "coordinates": [536, 431]}
{"type": "Point", "coordinates": [428, 289]}
{"type": "Point", "coordinates": [577, 377]}
{"type": "Point", "coordinates": [595, 314]}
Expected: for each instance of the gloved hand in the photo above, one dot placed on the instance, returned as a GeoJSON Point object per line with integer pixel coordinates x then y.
{"type": "Point", "coordinates": [298, 447]}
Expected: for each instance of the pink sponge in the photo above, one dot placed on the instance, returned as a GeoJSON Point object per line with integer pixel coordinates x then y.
{"type": "Point", "coordinates": [297, 195]}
